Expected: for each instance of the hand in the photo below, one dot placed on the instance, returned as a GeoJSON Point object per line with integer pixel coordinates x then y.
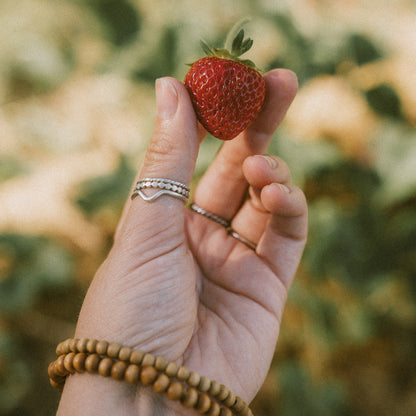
{"type": "Point", "coordinates": [175, 283]}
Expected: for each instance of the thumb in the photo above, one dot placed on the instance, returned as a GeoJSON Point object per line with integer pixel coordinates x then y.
{"type": "Point", "coordinates": [174, 146]}
{"type": "Point", "coordinates": [171, 155]}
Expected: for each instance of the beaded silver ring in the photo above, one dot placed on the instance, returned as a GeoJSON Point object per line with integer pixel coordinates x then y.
{"type": "Point", "coordinates": [166, 186]}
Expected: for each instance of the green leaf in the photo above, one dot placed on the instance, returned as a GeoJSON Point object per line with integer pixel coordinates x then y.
{"type": "Point", "coordinates": [249, 63]}
{"type": "Point", "coordinates": [237, 42]}
{"type": "Point", "coordinates": [247, 44]}
{"type": "Point", "coordinates": [205, 47]}
{"type": "Point", "coordinates": [233, 33]}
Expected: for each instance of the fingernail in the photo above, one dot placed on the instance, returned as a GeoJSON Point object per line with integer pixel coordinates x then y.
{"type": "Point", "coordinates": [271, 161]}
{"type": "Point", "coordinates": [166, 99]}
{"type": "Point", "coordinates": [284, 188]}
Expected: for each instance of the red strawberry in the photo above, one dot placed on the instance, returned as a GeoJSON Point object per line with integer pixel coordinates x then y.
{"type": "Point", "coordinates": [227, 93]}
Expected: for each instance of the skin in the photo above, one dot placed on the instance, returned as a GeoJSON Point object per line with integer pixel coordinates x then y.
{"type": "Point", "coordinates": [175, 283]}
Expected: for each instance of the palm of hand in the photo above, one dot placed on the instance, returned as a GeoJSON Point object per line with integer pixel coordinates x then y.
{"type": "Point", "coordinates": [219, 302]}
{"type": "Point", "coordinates": [212, 302]}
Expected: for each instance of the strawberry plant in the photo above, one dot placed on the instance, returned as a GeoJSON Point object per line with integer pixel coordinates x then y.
{"type": "Point", "coordinates": [227, 92]}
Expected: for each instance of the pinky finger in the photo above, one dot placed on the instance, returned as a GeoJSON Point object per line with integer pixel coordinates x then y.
{"type": "Point", "coordinates": [284, 239]}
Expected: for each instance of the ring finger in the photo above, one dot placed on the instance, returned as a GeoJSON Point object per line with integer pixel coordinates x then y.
{"type": "Point", "coordinates": [260, 171]}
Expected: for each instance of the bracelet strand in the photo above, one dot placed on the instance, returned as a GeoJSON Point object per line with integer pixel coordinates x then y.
{"type": "Point", "coordinates": [178, 383]}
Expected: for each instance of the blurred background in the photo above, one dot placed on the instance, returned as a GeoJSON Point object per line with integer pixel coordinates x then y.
{"type": "Point", "coordinates": [77, 108]}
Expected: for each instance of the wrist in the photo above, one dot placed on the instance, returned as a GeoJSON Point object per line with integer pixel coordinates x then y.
{"type": "Point", "coordinates": [133, 371]}
{"type": "Point", "coordinates": [97, 395]}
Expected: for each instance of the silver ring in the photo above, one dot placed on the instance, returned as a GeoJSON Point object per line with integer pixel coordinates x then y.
{"type": "Point", "coordinates": [199, 210]}
{"type": "Point", "coordinates": [243, 240]}
{"type": "Point", "coordinates": [166, 186]}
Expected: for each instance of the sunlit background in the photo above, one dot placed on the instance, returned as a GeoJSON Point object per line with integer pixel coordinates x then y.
{"type": "Point", "coordinates": [77, 108]}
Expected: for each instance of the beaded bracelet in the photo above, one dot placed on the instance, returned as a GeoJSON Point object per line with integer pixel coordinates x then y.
{"type": "Point", "coordinates": [178, 383]}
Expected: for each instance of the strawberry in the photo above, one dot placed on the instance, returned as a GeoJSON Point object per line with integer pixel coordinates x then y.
{"type": "Point", "coordinates": [227, 93]}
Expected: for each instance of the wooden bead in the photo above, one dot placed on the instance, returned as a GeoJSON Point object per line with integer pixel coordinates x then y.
{"type": "Point", "coordinates": [113, 350]}
{"type": "Point", "coordinates": [204, 384]}
{"type": "Point", "coordinates": [225, 411]}
{"type": "Point", "coordinates": [73, 344]}
{"type": "Point", "coordinates": [148, 375]}
{"type": "Point", "coordinates": [58, 379]}
{"type": "Point", "coordinates": [193, 379]}
{"type": "Point", "coordinates": [238, 405]}
{"type": "Point", "coordinates": [118, 369]}
{"type": "Point", "coordinates": [190, 397]}
{"type": "Point", "coordinates": [171, 369]}
{"type": "Point", "coordinates": [183, 373]}
{"type": "Point", "coordinates": [132, 374]}
{"type": "Point", "coordinates": [79, 355]}
{"type": "Point", "coordinates": [136, 357]}
{"type": "Point", "coordinates": [64, 347]}
{"type": "Point", "coordinates": [203, 404]}
{"type": "Point", "coordinates": [82, 345]}
{"type": "Point", "coordinates": [79, 362]}
{"type": "Point", "coordinates": [68, 362]}
{"type": "Point", "coordinates": [51, 370]}
{"type": "Point", "coordinates": [161, 384]}
{"type": "Point", "coordinates": [124, 354]}
{"type": "Point", "coordinates": [148, 360]}
{"type": "Point", "coordinates": [60, 349]}
{"type": "Point", "coordinates": [245, 411]}
{"type": "Point", "coordinates": [91, 363]}
{"type": "Point", "coordinates": [59, 366]}
{"type": "Point", "coordinates": [223, 394]}
{"type": "Point", "coordinates": [161, 363]}
{"type": "Point", "coordinates": [104, 368]}
{"type": "Point", "coordinates": [230, 400]}
{"type": "Point", "coordinates": [249, 412]}
{"type": "Point", "coordinates": [92, 346]}
{"type": "Point", "coordinates": [214, 410]}
{"type": "Point", "coordinates": [101, 347]}
{"type": "Point", "coordinates": [57, 386]}
{"type": "Point", "coordinates": [175, 391]}
{"type": "Point", "coordinates": [215, 388]}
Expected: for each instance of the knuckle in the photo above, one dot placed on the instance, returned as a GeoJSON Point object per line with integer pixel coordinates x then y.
{"type": "Point", "coordinates": [161, 146]}
{"type": "Point", "coordinates": [161, 149]}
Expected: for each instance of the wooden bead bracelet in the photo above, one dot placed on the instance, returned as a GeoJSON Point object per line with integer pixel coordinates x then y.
{"type": "Point", "coordinates": [178, 383]}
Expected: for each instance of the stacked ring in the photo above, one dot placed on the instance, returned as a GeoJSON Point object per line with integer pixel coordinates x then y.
{"type": "Point", "coordinates": [166, 186]}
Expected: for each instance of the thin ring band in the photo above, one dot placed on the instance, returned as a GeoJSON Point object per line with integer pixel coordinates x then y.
{"type": "Point", "coordinates": [243, 240]}
{"type": "Point", "coordinates": [199, 210]}
{"type": "Point", "coordinates": [166, 186]}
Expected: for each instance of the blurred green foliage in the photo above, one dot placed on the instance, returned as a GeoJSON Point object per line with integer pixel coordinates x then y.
{"type": "Point", "coordinates": [108, 191]}
{"type": "Point", "coordinates": [32, 265]}
{"type": "Point", "coordinates": [348, 335]}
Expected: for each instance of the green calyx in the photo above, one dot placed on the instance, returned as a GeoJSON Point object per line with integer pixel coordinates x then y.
{"type": "Point", "coordinates": [235, 46]}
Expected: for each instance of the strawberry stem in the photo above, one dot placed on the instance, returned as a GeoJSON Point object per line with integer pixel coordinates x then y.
{"type": "Point", "coordinates": [235, 45]}
{"type": "Point", "coordinates": [234, 32]}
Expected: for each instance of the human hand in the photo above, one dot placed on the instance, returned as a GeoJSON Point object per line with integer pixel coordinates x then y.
{"type": "Point", "coordinates": [175, 283]}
